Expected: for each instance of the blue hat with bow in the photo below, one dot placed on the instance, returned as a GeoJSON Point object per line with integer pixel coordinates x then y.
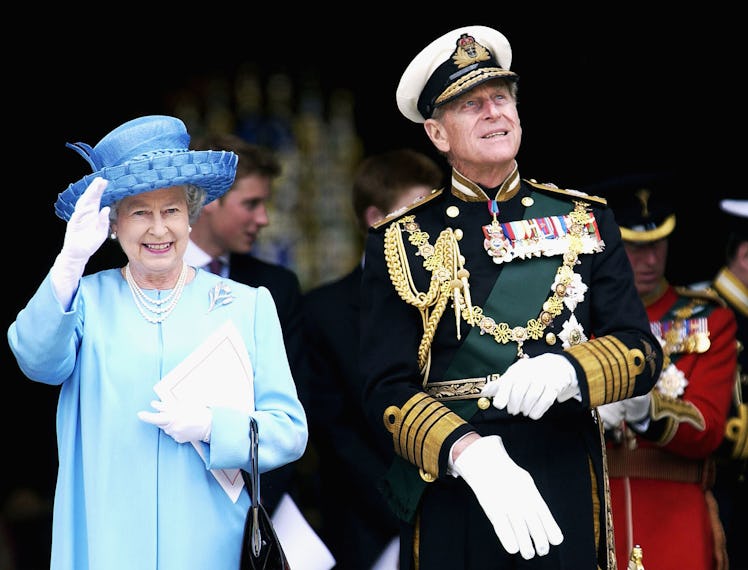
{"type": "Point", "coordinates": [145, 154]}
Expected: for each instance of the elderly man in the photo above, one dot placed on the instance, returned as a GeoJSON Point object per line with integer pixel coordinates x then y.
{"type": "Point", "coordinates": [496, 315]}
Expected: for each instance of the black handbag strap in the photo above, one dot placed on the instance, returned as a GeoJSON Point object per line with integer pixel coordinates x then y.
{"type": "Point", "coordinates": [261, 548]}
{"type": "Point", "coordinates": [252, 481]}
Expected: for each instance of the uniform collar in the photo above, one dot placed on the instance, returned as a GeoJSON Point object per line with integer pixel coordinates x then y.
{"type": "Point", "coordinates": [468, 191]}
{"type": "Point", "coordinates": [732, 290]}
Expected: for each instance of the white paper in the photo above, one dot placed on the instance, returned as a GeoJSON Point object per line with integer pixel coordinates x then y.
{"type": "Point", "coordinates": [303, 547]}
{"type": "Point", "coordinates": [390, 557]}
{"type": "Point", "coordinates": [217, 373]}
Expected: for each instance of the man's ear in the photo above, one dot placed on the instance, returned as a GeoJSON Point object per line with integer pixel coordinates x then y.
{"type": "Point", "coordinates": [372, 215]}
{"type": "Point", "coordinates": [437, 134]}
{"type": "Point", "coordinates": [741, 255]}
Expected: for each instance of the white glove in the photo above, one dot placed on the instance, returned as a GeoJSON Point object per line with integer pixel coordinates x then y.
{"type": "Point", "coordinates": [637, 409]}
{"type": "Point", "coordinates": [612, 414]}
{"type": "Point", "coordinates": [531, 385]}
{"type": "Point", "coordinates": [84, 234]}
{"type": "Point", "coordinates": [183, 421]}
{"type": "Point", "coordinates": [509, 497]}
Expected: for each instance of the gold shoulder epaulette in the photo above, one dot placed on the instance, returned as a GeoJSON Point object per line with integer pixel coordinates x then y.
{"type": "Point", "coordinates": [708, 294]}
{"type": "Point", "coordinates": [550, 187]}
{"type": "Point", "coordinates": [420, 201]}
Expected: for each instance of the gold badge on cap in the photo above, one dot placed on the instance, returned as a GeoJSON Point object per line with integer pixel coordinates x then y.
{"type": "Point", "coordinates": [469, 52]}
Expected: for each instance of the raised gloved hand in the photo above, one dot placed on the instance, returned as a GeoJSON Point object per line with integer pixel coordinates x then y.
{"type": "Point", "coordinates": [509, 497]}
{"type": "Point", "coordinates": [531, 385]}
{"type": "Point", "coordinates": [183, 421]}
{"type": "Point", "coordinates": [636, 409]}
{"type": "Point", "coordinates": [84, 234]}
{"type": "Point", "coordinates": [612, 414]}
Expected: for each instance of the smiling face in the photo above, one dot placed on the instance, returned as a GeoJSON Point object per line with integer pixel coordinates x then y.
{"type": "Point", "coordinates": [153, 231]}
{"type": "Point", "coordinates": [479, 132]}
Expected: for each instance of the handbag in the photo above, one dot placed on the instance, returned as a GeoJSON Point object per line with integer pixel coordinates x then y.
{"type": "Point", "coordinates": [261, 548]}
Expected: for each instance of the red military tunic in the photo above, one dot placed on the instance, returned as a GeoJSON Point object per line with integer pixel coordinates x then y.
{"type": "Point", "coordinates": [657, 478]}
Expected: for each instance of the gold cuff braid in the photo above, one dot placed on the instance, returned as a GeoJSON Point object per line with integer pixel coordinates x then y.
{"type": "Point", "coordinates": [419, 429]}
{"type": "Point", "coordinates": [610, 368]}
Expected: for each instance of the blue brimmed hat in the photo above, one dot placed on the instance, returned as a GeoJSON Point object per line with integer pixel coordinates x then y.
{"type": "Point", "coordinates": [146, 154]}
{"type": "Point", "coordinates": [450, 65]}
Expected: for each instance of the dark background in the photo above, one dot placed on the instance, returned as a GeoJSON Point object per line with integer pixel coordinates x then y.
{"type": "Point", "coordinates": [601, 95]}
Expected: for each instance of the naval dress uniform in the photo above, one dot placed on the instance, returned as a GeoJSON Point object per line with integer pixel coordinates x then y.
{"type": "Point", "coordinates": [658, 477]}
{"type": "Point", "coordinates": [455, 289]}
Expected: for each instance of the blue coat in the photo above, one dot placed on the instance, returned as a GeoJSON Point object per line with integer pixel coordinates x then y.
{"type": "Point", "coordinates": [127, 495]}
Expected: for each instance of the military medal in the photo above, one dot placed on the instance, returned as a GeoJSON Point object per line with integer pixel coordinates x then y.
{"type": "Point", "coordinates": [683, 335]}
{"type": "Point", "coordinates": [497, 246]}
{"type": "Point", "coordinates": [533, 237]}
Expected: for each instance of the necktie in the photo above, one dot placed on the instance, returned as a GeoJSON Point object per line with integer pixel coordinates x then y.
{"type": "Point", "coordinates": [215, 266]}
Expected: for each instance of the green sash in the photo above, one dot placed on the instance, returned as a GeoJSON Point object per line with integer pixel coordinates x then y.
{"type": "Point", "coordinates": [518, 295]}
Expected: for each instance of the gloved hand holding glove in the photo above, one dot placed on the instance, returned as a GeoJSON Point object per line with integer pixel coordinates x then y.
{"type": "Point", "coordinates": [612, 414]}
{"type": "Point", "coordinates": [637, 408]}
{"type": "Point", "coordinates": [84, 234]}
{"type": "Point", "coordinates": [508, 495]}
{"type": "Point", "coordinates": [531, 385]}
{"type": "Point", "coordinates": [183, 421]}
{"type": "Point", "coordinates": [632, 410]}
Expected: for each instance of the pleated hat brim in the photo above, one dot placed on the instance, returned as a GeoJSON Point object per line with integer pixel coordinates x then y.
{"type": "Point", "coordinates": [212, 170]}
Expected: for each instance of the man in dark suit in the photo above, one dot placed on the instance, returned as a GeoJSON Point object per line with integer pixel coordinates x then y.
{"type": "Point", "coordinates": [221, 240]}
{"type": "Point", "coordinates": [356, 522]}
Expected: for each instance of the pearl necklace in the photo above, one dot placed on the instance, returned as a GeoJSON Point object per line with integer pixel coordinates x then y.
{"type": "Point", "coordinates": [161, 308]}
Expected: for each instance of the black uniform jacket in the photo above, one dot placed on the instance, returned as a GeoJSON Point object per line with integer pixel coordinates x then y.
{"type": "Point", "coordinates": [357, 523]}
{"type": "Point", "coordinates": [407, 349]}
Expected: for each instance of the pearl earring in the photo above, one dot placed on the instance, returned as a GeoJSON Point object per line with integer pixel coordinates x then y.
{"type": "Point", "coordinates": [113, 235]}
{"type": "Point", "coordinates": [189, 229]}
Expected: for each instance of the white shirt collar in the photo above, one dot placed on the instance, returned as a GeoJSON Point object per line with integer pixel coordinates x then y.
{"type": "Point", "coordinates": [196, 257]}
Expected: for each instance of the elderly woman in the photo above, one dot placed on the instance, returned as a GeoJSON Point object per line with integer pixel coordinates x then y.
{"type": "Point", "coordinates": [146, 481]}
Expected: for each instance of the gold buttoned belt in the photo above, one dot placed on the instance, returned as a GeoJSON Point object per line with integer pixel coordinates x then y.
{"type": "Point", "coordinates": [460, 389]}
